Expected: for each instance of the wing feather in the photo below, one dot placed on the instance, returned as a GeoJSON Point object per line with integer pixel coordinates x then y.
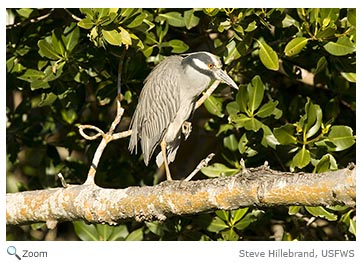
{"type": "Point", "coordinates": [157, 106]}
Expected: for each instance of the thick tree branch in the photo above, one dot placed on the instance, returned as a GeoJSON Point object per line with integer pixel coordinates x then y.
{"type": "Point", "coordinates": [260, 187]}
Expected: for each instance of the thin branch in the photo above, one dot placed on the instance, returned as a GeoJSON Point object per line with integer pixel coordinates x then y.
{"type": "Point", "coordinates": [261, 187]}
{"type": "Point", "coordinates": [106, 138]}
{"type": "Point", "coordinates": [30, 20]}
{"type": "Point", "coordinates": [120, 112]}
{"type": "Point", "coordinates": [72, 15]}
{"type": "Point", "coordinates": [122, 134]}
{"type": "Point", "coordinates": [62, 179]}
{"type": "Point", "coordinates": [88, 137]}
{"type": "Point", "coordinates": [199, 167]}
{"type": "Point", "coordinates": [208, 92]}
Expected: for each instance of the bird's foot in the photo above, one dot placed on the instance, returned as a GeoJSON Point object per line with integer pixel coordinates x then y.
{"type": "Point", "coordinates": [186, 129]}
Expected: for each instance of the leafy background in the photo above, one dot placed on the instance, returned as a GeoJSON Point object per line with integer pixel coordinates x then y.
{"type": "Point", "coordinates": [295, 109]}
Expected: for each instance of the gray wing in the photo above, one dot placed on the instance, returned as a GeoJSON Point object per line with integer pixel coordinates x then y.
{"type": "Point", "coordinates": [157, 106]}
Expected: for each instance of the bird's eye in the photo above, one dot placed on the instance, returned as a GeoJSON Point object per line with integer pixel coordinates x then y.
{"type": "Point", "coordinates": [210, 66]}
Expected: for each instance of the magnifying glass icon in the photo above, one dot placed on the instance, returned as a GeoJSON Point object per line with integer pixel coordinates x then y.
{"type": "Point", "coordinates": [12, 251]}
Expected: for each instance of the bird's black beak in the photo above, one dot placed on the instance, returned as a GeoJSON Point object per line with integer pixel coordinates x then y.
{"type": "Point", "coordinates": [223, 76]}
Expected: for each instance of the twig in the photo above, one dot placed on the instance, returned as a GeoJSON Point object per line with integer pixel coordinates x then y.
{"type": "Point", "coordinates": [208, 92]}
{"type": "Point", "coordinates": [122, 134]}
{"type": "Point", "coordinates": [202, 164]}
{"type": "Point", "coordinates": [106, 138]}
{"type": "Point", "coordinates": [62, 180]}
{"type": "Point", "coordinates": [88, 137]}
{"type": "Point", "coordinates": [32, 20]}
{"type": "Point", "coordinates": [120, 112]}
{"type": "Point", "coordinates": [72, 15]}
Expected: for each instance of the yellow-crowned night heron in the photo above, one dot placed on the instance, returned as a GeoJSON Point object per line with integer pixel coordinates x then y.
{"type": "Point", "coordinates": [168, 99]}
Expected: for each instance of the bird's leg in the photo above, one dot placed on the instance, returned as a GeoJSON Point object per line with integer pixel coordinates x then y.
{"type": "Point", "coordinates": [163, 147]}
{"type": "Point", "coordinates": [186, 129]}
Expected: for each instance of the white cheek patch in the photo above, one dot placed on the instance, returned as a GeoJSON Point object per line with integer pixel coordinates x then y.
{"type": "Point", "coordinates": [200, 64]}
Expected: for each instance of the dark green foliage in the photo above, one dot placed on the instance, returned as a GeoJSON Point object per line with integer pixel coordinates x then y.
{"type": "Point", "coordinates": [295, 108]}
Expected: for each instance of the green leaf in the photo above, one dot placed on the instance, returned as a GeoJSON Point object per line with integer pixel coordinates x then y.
{"type": "Point", "coordinates": [104, 231]}
{"type": "Point", "coordinates": [230, 235]}
{"type": "Point", "coordinates": [190, 19]}
{"type": "Point", "coordinates": [136, 235]}
{"type": "Point", "coordinates": [255, 91]}
{"type": "Point", "coordinates": [119, 232]}
{"type": "Point", "coordinates": [269, 138]}
{"type": "Point", "coordinates": [57, 44]}
{"type": "Point", "coordinates": [224, 128]}
{"type": "Point", "coordinates": [125, 36]}
{"type": "Point", "coordinates": [211, 11]}
{"type": "Point", "coordinates": [295, 46]}
{"type": "Point", "coordinates": [267, 109]}
{"type": "Point", "coordinates": [218, 169]}
{"type": "Point", "coordinates": [127, 12]}
{"type": "Point", "coordinates": [230, 142]}
{"type": "Point", "coordinates": [321, 65]}
{"type": "Point", "coordinates": [326, 33]}
{"type": "Point", "coordinates": [71, 37]}
{"type": "Point", "coordinates": [232, 108]}
{"type": "Point", "coordinates": [156, 228]}
{"type": "Point", "coordinates": [112, 36]}
{"type": "Point", "coordinates": [328, 16]}
{"type": "Point", "coordinates": [148, 50]}
{"type": "Point", "coordinates": [251, 26]}
{"type": "Point", "coordinates": [25, 12]}
{"type": "Point", "coordinates": [343, 46]}
{"type": "Point", "coordinates": [86, 232]}
{"type": "Point", "coordinates": [314, 119]}
{"type": "Point", "coordinates": [232, 52]}
{"type": "Point", "coordinates": [32, 74]}
{"type": "Point", "coordinates": [102, 12]}
{"type": "Point", "coordinates": [86, 23]}
{"type": "Point", "coordinates": [249, 123]}
{"type": "Point", "coordinates": [352, 227]}
{"type": "Point", "coordinates": [302, 158]}
{"type": "Point", "coordinates": [39, 84]}
{"type": "Point", "coordinates": [47, 99]}
{"type": "Point", "coordinates": [244, 146]}
{"type": "Point", "coordinates": [214, 106]}
{"type": "Point", "coordinates": [351, 16]}
{"type": "Point", "coordinates": [285, 134]}
{"type": "Point", "coordinates": [242, 98]}
{"type": "Point", "coordinates": [339, 138]}
{"type": "Point", "coordinates": [248, 219]}
{"type": "Point", "coordinates": [238, 214]}
{"type": "Point", "coordinates": [69, 115]}
{"type": "Point", "coordinates": [351, 77]}
{"type": "Point", "coordinates": [326, 163]}
{"type": "Point", "coordinates": [321, 212]}
{"type": "Point", "coordinates": [137, 21]}
{"type": "Point", "coordinates": [47, 50]}
{"type": "Point", "coordinates": [311, 121]}
{"type": "Point", "coordinates": [292, 210]}
{"type": "Point", "coordinates": [174, 19]}
{"type": "Point", "coordinates": [224, 215]}
{"type": "Point", "coordinates": [14, 66]}
{"type": "Point", "coordinates": [178, 46]}
{"type": "Point", "coordinates": [87, 11]}
{"type": "Point", "coordinates": [268, 56]}
{"type": "Point", "coordinates": [217, 225]}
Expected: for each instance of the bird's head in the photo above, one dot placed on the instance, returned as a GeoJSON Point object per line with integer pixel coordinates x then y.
{"type": "Point", "coordinates": [208, 64]}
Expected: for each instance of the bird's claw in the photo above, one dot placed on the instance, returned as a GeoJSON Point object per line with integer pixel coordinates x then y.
{"type": "Point", "coordinates": [186, 129]}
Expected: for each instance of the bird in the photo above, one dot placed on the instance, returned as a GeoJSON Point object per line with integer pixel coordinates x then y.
{"type": "Point", "coordinates": [167, 101]}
